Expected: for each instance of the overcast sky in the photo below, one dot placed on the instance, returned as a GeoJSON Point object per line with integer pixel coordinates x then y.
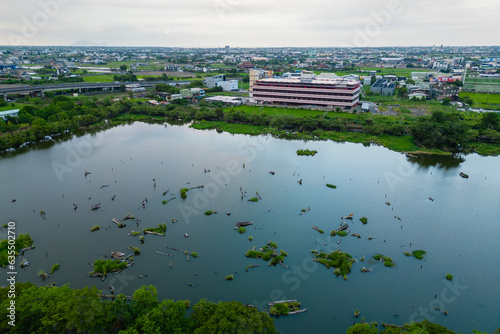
{"type": "Point", "coordinates": [250, 23]}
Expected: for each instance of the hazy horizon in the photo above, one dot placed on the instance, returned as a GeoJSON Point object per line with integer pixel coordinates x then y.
{"type": "Point", "coordinates": [252, 23]}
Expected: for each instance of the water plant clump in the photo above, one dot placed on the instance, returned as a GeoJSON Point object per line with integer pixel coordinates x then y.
{"type": "Point", "coordinates": [136, 250]}
{"type": "Point", "coordinates": [22, 241]}
{"type": "Point", "coordinates": [104, 267]}
{"type": "Point", "coordinates": [418, 254]}
{"type": "Point", "coordinates": [164, 201]}
{"type": "Point", "coordinates": [342, 233]}
{"type": "Point", "coordinates": [306, 152]}
{"type": "Point", "coordinates": [268, 253]}
{"type": "Point", "coordinates": [183, 193]}
{"type": "Point", "coordinates": [250, 238]}
{"type": "Point", "coordinates": [278, 309]}
{"type": "Point", "coordinates": [387, 260]}
{"type": "Point", "coordinates": [95, 228]}
{"type": "Point", "coordinates": [241, 230]}
{"type": "Point", "coordinates": [229, 277]}
{"type": "Point", "coordinates": [194, 254]}
{"type": "Point", "coordinates": [43, 274]}
{"type": "Point", "coordinates": [253, 199]}
{"type": "Point", "coordinates": [342, 262]}
{"type": "Point", "coordinates": [162, 228]}
{"type": "Point", "coordinates": [331, 186]}
{"type": "Point", "coordinates": [210, 212]}
{"type": "Point", "coordinates": [333, 233]}
{"type": "Point", "coordinates": [407, 254]}
{"type": "Point", "coordinates": [135, 233]}
{"type": "Point", "coordinates": [364, 220]}
{"type": "Point", "coordinates": [449, 277]}
{"type": "Point", "coordinates": [54, 268]}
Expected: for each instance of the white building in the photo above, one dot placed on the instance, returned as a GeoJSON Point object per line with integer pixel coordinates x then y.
{"type": "Point", "coordinates": [228, 86]}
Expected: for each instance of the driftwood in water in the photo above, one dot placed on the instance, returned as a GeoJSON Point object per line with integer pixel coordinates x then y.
{"type": "Point", "coordinates": [282, 302]}
{"type": "Point", "coordinates": [96, 207]}
{"type": "Point", "coordinates": [128, 216]}
{"type": "Point", "coordinates": [175, 249]}
{"type": "Point", "coordinates": [343, 226]}
{"type": "Point", "coordinates": [298, 311]}
{"type": "Point", "coordinates": [119, 223]}
{"type": "Point", "coordinates": [242, 224]}
{"type": "Point", "coordinates": [349, 216]}
{"type": "Point", "coordinates": [154, 233]}
{"type": "Point", "coordinates": [257, 193]}
{"type": "Point", "coordinates": [161, 253]}
{"type": "Point", "coordinates": [196, 187]}
{"type": "Point", "coordinates": [465, 176]}
{"type": "Point", "coordinates": [117, 255]}
{"type": "Point", "coordinates": [317, 229]}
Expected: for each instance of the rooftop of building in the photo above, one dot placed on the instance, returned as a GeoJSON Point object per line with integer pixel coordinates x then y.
{"type": "Point", "coordinates": [314, 81]}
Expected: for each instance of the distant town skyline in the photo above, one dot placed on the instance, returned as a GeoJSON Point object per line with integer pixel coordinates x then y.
{"type": "Point", "coordinates": [250, 23]}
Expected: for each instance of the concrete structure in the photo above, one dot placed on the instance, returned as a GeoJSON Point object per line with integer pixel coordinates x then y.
{"type": "Point", "coordinates": [211, 82]}
{"type": "Point", "coordinates": [135, 88]}
{"type": "Point", "coordinates": [420, 96]}
{"type": "Point", "coordinates": [308, 90]}
{"type": "Point", "coordinates": [383, 87]}
{"type": "Point", "coordinates": [192, 93]}
{"type": "Point", "coordinates": [4, 114]}
{"type": "Point", "coordinates": [441, 91]}
{"type": "Point", "coordinates": [228, 86]}
{"type": "Point", "coordinates": [234, 100]}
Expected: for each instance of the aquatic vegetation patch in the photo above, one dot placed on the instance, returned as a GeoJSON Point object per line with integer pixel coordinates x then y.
{"type": "Point", "coordinates": [162, 228]}
{"type": "Point", "coordinates": [253, 199]}
{"type": "Point", "coordinates": [268, 253]}
{"type": "Point", "coordinates": [209, 212]}
{"type": "Point", "coordinates": [104, 267]}
{"type": "Point", "coordinates": [342, 262]}
{"type": "Point", "coordinates": [241, 230]}
{"type": "Point", "coordinates": [449, 277]}
{"type": "Point", "coordinates": [418, 254]}
{"type": "Point", "coordinates": [22, 241]}
{"type": "Point", "coordinates": [194, 254]}
{"type": "Point", "coordinates": [385, 259]}
{"type": "Point", "coordinates": [229, 277]}
{"type": "Point", "coordinates": [331, 186]}
{"type": "Point", "coordinates": [278, 309]}
{"type": "Point", "coordinates": [95, 228]}
{"type": "Point", "coordinates": [364, 220]}
{"type": "Point", "coordinates": [54, 268]}
{"type": "Point", "coordinates": [342, 233]}
{"type": "Point", "coordinates": [183, 193]}
{"type": "Point", "coordinates": [306, 152]}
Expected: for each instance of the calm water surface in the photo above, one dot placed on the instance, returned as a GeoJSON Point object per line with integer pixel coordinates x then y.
{"type": "Point", "coordinates": [459, 229]}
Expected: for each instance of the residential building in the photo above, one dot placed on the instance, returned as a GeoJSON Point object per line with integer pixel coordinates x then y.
{"type": "Point", "coordinates": [308, 90]}
{"type": "Point", "coordinates": [192, 93]}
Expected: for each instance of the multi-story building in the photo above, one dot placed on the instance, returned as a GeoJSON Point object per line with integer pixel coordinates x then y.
{"type": "Point", "coordinates": [228, 86]}
{"type": "Point", "coordinates": [211, 82]}
{"type": "Point", "coordinates": [441, 91]}
{"type": "Point", "coordinates": [383, 87]}
{"type": "Point", "coordinates": [308, 90]}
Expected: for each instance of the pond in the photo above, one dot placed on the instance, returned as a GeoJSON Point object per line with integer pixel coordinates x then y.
{"type": "Point", "coordinates": [411, 204]}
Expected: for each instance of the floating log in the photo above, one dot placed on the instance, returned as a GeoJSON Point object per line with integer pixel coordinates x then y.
{"type": "Point", "coordinates": [196, 187]}
{"type": "Point", "coordinates": [343, 226]}
{"type": "Point", "coordinates": [128, 216]}
{"type": "Point", "coordinates": [272, 173]}
{"type": "Point", "coordinates": [317, 229]}
{"type": "Point", "coordinates": [257, 193]}
{"type": "Point", "coordinates": [465, 176]}
{"type": "Point", "coordinates": [282, 302]}
{"type": "Point", "coordinates": [185, 235]}
{"type": "Point", "coordinates": [242, 224]}
{"type": "Point", "coordinates": [104, 186]}
{"type": "Point", "coordinates": [119, 223]}
{"type": "Point", "coordinates": [113, 198]}
{"type": "Point", "coordinates": [298, 311]}
{"type": "Point", "coordinates": [87, 173]}
{"type": "Point", "coordinates": [161, 253]}
{"type": "Point", "coordinates": [154, 233]}
{"type": "Point", "coordinates": [75, 206]}
{"type": "Point", "coordinates": [117, 255]}
{"type": "Point", "coordinates": [365, 270]}
{"type": "Point", "coordinates": [175, 249]}
{"type": "Point", "coordinates": [165, 192]}
{"type": "Point", "coordinates": [349, 216]}
{"type": "Point", "coordinates": [96, 207]}
{"type": "Point", "coordinates": [413, 156]}
{"type": "Point", "coordinates": [21, 251]}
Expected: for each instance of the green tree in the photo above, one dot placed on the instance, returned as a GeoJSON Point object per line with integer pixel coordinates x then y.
{"type": "Point", "coordinates": [373, 79]}
{"type": "Point", "coordinates": [123, 67]}
{"type": "Point", "coordinates": [229, 317]}
{"type": "Point", "coordinates": [490, 120]}
{"type": "Point", "coordinates": [362, 329]}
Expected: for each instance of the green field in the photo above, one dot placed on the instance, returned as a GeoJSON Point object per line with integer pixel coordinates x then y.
{"type": "Point", "coordinates": [99, 78]}
{"type": "Point", "coordinates": [482, 98]}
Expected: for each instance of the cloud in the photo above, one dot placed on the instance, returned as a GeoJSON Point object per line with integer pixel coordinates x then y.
{"type": "Point", "coordinates": [251, 22]}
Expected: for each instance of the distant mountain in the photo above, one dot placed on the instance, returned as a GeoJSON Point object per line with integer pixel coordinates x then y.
{"type": "Point", "coordinates": [86, 42]}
